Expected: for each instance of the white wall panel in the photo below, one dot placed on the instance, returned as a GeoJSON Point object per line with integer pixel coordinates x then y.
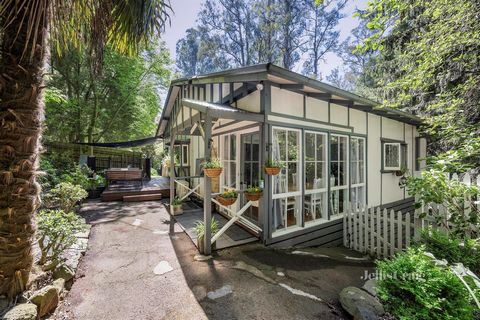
{"type": "Point", "coordinates": [287, 102]}
{"type": "Point", "coordinates": [316, 109]}
{"type": "Point", "coordinates": [338, 114]}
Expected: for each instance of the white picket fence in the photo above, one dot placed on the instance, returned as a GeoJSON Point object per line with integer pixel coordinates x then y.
{"type": "Point", "coordinates": [382, 233]}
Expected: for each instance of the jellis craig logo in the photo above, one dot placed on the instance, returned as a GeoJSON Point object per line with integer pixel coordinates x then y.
{"type": "Point", "coordinates": [379, 275]}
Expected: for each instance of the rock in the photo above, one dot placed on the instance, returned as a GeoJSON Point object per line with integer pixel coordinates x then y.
{"type": "Point", "coordinates": [371, 287]}
{"type": "Point", "coordinates": [356, 302]}
{"type": "Point", "coordinates": [63, 272]}
{"type": "Point", "coordinates": [24, 311]}
{"type": "Point", "coordinates": [46, 299]}
{"type": "Point", "coordinates": [59, 284]}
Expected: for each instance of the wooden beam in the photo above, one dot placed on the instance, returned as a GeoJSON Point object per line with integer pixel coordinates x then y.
{"type": "Point", "coordinates": [292, 86]}
{"type": "Point", "coordinates": [235, 95]}
{"type": "Point", "coordinates": [319, 95]}
{"type": "Point", "coordinates": [341, 102]}
{"type": "Point", "coordinates": [207, 183]}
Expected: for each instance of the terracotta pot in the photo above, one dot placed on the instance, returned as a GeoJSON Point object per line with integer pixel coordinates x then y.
{"type": "Point", "coordinates": [272, 171]}
{"type": "Point", "coordinates": [253, 196]}
{"type": "Point", "coordinates": [226, 201]}
{"type": "Point", "coordinates": [213, 173]}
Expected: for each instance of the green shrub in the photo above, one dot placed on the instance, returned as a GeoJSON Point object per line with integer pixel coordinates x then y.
{"type": "Point", "coordinates": [56, 231]}
{"type": "Point", "coordinates": [79, 175]}
{"type": "Point", "coordinates": [434, 186]}
{"type": "Point", "coordinates": [65, 196]}
{"type": "Point", "coordinates": [452, 249]}
{"type": "Point", "coordinates": [200, 228]}
{"type": "Point", "coordinates": [412, 288]}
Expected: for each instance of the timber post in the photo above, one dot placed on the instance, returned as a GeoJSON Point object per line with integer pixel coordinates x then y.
{"type": "Point", "coordinates": [207, 205]}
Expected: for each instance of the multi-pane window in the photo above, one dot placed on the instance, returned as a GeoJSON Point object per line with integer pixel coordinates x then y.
{"type": "Point", "coordinates": [229, 158]}
{"type": "Point", "coordinates": [357, 171]}
{"type": "Point", "coordinates": [394, 156]}
{"type": "Point", "coordinates": [338, 174]}
{"type": "Point", "coordinates": [315, 203]}
{"type": "Point", "coordinates": [287, 191]}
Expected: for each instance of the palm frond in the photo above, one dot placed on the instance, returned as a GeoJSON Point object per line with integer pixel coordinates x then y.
{"type": "Point", "coordinates": [123, 24]}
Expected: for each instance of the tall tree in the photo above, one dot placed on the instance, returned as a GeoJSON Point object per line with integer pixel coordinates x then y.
{"type": "Point", "coordinates": [321, 34]}
{"type": "Point", "coordinates": [197, 53]}
{"type": "Point", "coordinates": [291, 20]}
{"type": "Point", "coordinates": [229, 24]}
{"type": "Point", "coordinates": [26, 28]}
{"type": "Point", "coordinates": [128, 95]}
{"type": "Point", "coordinates": [429, 63]}
{"type": "Point", "coordinates": [358, 74]}
{"type": "Point", "coordinates": [267, 44]}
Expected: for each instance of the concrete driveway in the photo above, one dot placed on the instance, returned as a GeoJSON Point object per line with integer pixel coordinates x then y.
{"type": "Point", "coordinates": [139, 265]}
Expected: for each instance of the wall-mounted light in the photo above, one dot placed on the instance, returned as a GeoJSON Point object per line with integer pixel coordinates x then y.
{"type": "Point", "coordinates": [260, 86]}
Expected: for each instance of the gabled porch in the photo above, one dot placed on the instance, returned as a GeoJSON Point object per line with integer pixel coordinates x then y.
{"type": "Point", "coordinates": [213, 128]}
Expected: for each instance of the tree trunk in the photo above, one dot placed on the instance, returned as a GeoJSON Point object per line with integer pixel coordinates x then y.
{"type": "Point", "coordinates": [21, 117]}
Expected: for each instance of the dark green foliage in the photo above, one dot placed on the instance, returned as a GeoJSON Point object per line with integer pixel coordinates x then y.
{"type": "Point", "coordinates": [428, 62]}
{"type": "Point", "coordinates": [118, 104]}
{"type": "Point", "coordinates": [413, 288]}
{"type": "Point", "coordinates": [56, 231]}
{"type": "Point", "coordinates": [65, 196]}
{"type": "Point", "coordinates": [235, 33]}
{"type": "Point", "coordinates": [452, 249]}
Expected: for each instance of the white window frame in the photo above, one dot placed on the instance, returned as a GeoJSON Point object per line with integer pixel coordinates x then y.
{"type": "Point", "coordinates": [325, 166]}
{"type": "Point", "coordinates": [283, 196]}
{"type": "Point", "coordinates": [345, 186]}
{"type": "Point", "coordinates": [384, 155]}
{"type": "Point", "coordinates": [364, 177]}
{"type": "Point", "coordinates": [324, 190]}
{"type": "Point", "coordinates": [226, 162]}
{"type": "Point", "coordinates": [299, 169]}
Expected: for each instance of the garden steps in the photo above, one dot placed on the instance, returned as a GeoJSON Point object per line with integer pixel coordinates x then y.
{"type": "Point", "coordinates": [143, 197]}
{"type": "Point", "coordinates": [158, 186]}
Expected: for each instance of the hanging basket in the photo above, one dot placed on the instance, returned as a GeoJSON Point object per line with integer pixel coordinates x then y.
{"type": "Point", "coordinates": [226, 201]}
{"type": "Point", "coordinates": [272, 171]}
{"type": "Point", "coordinates": [213, 173]}
{"type": "Point", "coordinates": [253, 196]}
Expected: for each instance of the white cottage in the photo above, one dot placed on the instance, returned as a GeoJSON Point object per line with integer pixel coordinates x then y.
{"type": "Point", "coordinates": [337, 150]}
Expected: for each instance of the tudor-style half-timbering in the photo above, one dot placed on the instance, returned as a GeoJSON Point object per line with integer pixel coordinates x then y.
{"type": "Point", "coordinates": [336, 149]}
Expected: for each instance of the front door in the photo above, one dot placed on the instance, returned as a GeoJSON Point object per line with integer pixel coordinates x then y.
{"type": "Point", "coordinates": [250, 171]}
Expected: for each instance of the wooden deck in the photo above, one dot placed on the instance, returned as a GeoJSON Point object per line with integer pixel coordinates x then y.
{"type": "Point", "coordinates": [154, 189]}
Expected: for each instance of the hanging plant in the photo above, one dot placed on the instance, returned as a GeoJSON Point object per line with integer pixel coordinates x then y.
{"type": "Point", "coordinates": [228, 197]}
{"type": "Point", "coordinates": [253, 193]}
{"type": "Point", "coordinates": [273, 167]}
{"type": "Point", "coordinates": [212, 168]}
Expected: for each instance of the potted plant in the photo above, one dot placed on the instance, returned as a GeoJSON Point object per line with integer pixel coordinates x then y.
{"type": "Point", "coordinates": [403, 170]}
{"type": "Point", "coordinates": [228, 197]}
{"type": "Point", "coordinates": [176, 206]}
{"type": "Point", "coordinates": [200, 231]}
{"type": "Point", "coordinates": [253, 193]}
{"type": "Point", "coordinates": [273, 167]}
{"type": "Point", "coordinates": [95, 186]}
{"type": "Point", "coordinates": [212, 168]}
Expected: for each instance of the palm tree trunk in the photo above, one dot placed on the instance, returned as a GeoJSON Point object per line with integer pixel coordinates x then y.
{"type": "Point", "coordinates": [21, 117]}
